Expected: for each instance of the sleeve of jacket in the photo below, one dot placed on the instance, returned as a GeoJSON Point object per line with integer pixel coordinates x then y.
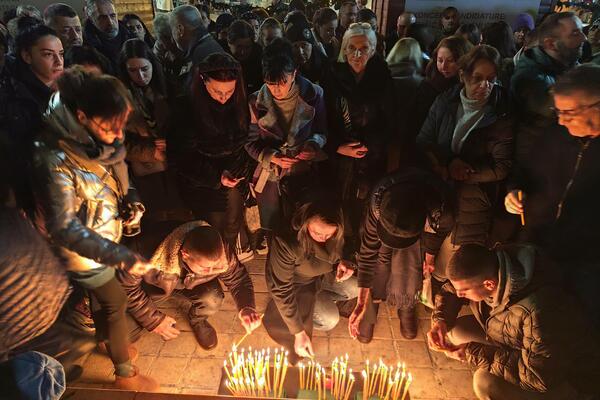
{"type": "Point", "coordinates": [369, 250]}
{"type": "Point", "coordinates": [500, 162]}
{"type": "Point", "coordinates": [139, 304]}
{"type": "Point", "coordinates": [279, 274]}
{"type": "Point", "coordinates": [64, 226]}
{"type": "Point", "coordinates": [319, 124]}
{"type": "Point", "coordinates": [139, 148]}
{"type": "Point", "coordinates": [428, 135]}
{"type": "Point", "coordinates": [531, 94]}
{"type": "Point", "coordinates": [446, 306]}
{"type": "Point", "coordinates": [544, 359]}
{"type": "Point", "coordinates": [256, 146]}
{"type": "Point", "coordinates": [238, 281]}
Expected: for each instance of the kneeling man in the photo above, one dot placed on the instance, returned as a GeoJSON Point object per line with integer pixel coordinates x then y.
{"type": "Point", "coordinates": [191, 262]}
{"type": "Point", "coordinates": [526, 337]}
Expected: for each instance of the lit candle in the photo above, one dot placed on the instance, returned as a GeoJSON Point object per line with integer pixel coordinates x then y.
{"type": "Point", "coordinates": [365, 385]}
{"type": "Point", "coordinates": [285, 367]}
{"type": "Point", "coordinates": [301, 375]}
{"type": "Point", "coordinates": [350, 386]}
{"type": "Point", "coordinates": [408, 382]}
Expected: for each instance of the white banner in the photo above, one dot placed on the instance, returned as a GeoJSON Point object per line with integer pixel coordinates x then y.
{"type": "Point", "coordinates": [481, 12]}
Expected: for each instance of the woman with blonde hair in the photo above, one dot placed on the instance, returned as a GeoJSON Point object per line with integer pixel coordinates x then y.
{"type": "Point", "coordinates": [405, 58]}
{"type": "Point", "coordinates": [360, 106]}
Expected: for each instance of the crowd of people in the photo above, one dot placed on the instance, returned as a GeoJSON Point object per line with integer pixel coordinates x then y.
{"type": "Point", "coordinates": [440, 165]}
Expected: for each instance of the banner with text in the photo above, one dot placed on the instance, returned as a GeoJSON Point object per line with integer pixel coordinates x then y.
{"type": "Point", "coordinates": [481, 12]}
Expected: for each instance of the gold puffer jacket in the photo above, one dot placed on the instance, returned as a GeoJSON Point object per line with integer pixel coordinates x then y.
{"type": "Point", "coordinates": [80, 198]}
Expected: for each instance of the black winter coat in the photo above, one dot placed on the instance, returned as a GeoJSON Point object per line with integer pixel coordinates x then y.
{"type": "Point", "coordinates": [110, 48]}
{"type": "Point", "coordinates": [488, 149]}
{"type": "Point", "coordinates": [560, 182]}
{"type": "Point", "coordinates": [33, 282]}
{"type": "Point", "coordinates": [363, 112]}
{"type": "Point", "coordinates": [440, 218]}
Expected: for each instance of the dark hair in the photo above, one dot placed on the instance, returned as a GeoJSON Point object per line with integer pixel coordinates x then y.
{"type": "Point", "coordinates": [102, 96]}
{"type": "Point", "coordinates": [249, 16]}
{"type": "Point", "coordinates": [323, 16]}
{"type": "Point", "coordinates": [472, 31]}
{"type": "Point", "coordinates": [500, 35]}
{"type": "Point", "coordinates": [584, 78]}
{"type": "Point", "coordinates": [297, 5]}
{"type": "Point", "coordinates": [472, 261]}
{"type": "Point", "coordinates": [223, 22]}
{"type": "Point", "coordinates": [204, 241]}
{"type": "Point", "coordinates": [87, 55]}
{"type": "Point", "coordinates": [348, 2]}
{"type": "Point", "coordinates": [136, 48]}
{"type": "Point", "coordinates": [423, 34]}
{"type": "Point", "coordinates": [221, 67]}
{"type": "Point", "coordinates": [457, 45]}
{"type": "Point", "coordinates": [240, 29]}
{"type": "Point", "coordinates": [261, 13]}
{"type": "Point", "coordinates": [365, 15]}
{"type": "Point", "coordinates": [295, 17]}
{"type": "Point", "coordinates": [203, 8]}
{"type": "Point", "coordinates": [278, 60]}
{"type": "Point", "coordinates": [478, 53]}
{"type": "Point", "coordinates": [326, 209]}
{"type": "Point", "coordinates": [148, 38]}
{"type": "Point", "coordinates": [549, 28]}
{"type": "Point", "coordinates": [28, 37]}
{"type": "Point", "coordinates": [9, 14]}
{"type": "Point", "coordinates": [447, 10]}
{"type": "Point", "coordinates": [58, 10]}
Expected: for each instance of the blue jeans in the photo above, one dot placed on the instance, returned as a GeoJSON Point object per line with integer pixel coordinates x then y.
{"type": "Point", "coordinates": [326, 314]}
{"type": "Point", "coordinates": [32, 376]}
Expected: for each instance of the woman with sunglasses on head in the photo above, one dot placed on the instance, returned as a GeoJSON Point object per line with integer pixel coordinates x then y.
{"type": "Point", "coordinates": [287, 131]}
{"type": "Point", "coordinates": [212, 165]}
{"type": "Point", "coordinates": [360, 103]}
{"type": "Point", "coordinates": [87, 201]}
{"type": "Point", "coordinates": [467, 139]}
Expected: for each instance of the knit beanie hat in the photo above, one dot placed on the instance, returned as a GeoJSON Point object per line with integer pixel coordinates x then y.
{"type": "Point", "coordinates": [299, 32]}
{"type": "Point", "coordinates": [523, 20]}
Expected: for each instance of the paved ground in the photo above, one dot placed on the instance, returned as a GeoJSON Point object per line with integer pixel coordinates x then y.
{"type": "Point", "coordinates": [181, 366]}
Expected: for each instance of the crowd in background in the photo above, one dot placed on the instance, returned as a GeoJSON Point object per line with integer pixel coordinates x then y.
{"type": "Point", "coordinates": [439, 165]}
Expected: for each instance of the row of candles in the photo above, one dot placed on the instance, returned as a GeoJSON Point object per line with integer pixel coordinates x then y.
{"type": "Point", "coordinates": [256, 374]}
{"type": "Point", "coordinates": [384, 382]}
{"type": "Point", "coordinates": [250, 374]}
{"type": "Point", "coordinates": [314, 377]}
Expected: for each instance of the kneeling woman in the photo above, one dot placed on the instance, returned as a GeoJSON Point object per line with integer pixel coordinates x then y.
{"type": "Point", "coordinates": [305, 277]}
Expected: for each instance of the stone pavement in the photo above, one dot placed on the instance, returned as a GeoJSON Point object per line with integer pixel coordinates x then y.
{"type": "Point", "coordinates": [181, 366]}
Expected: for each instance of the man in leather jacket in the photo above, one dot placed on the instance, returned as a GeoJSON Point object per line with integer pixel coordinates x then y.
{"type": "Point", "coordinates": [190, 262]}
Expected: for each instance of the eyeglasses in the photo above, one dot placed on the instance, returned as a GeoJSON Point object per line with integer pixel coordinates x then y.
{"type": "Point", "coordinates": [576, 111]}
{"type": "Point", "coordinates": [107, 130]}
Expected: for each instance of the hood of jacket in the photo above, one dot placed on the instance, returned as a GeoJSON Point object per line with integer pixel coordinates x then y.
{"type": "Point", "coordinates": [64, 123]}
{"type": "Point", "coordinates": [517, 265]}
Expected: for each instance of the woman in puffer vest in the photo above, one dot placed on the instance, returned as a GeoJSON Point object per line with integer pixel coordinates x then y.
{"type": "Point", "coordinates": [83, 188]}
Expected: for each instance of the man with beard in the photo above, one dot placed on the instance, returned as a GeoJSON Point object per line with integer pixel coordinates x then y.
{"type": "Point", "coordinates": [65, 21]}
{"type": "Point", "coordinates": [103, 31]}
{"type": "Point", "coordinates": [560, 44]}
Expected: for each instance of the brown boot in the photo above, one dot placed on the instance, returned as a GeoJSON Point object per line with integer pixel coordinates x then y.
{"type": "Point", "coordinates": [136, 383]}
{"type": "Point", "coordinates": [408, 323]}
{"type": "Point", "coordinates": [131, 349]}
